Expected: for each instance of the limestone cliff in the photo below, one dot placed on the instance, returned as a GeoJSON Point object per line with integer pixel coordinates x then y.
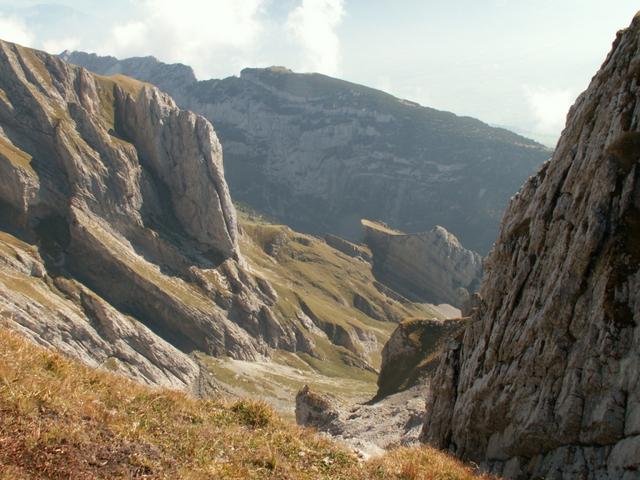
{"type": "Point", "coordinates": [432, 266]}
{"type": "Point", "coordinates": [545, 382]}
{"type": "Point", "coordinates": [319, 154]}
{"type": "Point", "coordinates": [120, 242]}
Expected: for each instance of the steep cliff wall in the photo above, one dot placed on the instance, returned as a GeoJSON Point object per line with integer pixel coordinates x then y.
{"type": "Point", "coordinates": [431, 267]}
{"type": "Point", "coordinates": [319, 153]}
{"type": "Point", "coordinates": [545, 382]}
{"type": "Point", "coordinates": [119, 240]}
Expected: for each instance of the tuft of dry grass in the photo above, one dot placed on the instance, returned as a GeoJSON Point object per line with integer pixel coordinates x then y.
{"type": "Point", "coordinates": [62, 420]}
{"type": "Point", "coordinates": [420, 463]}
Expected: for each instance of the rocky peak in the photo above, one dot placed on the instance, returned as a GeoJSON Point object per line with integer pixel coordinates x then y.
{"type": "Point", "coordinates": [248, 73]}
{"type": "Point", "coordinates": [173, 79]}
{"type": "Point", "coordinates": [183, 151]}
{"type": "Point", "coordinates": [177, 147]}
{"type": "Point", "coordinates": [545, 381]}
{"type": "Point", "coordinates": [431, 266]}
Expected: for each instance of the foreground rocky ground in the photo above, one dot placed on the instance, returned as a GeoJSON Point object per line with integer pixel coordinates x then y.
{"type": "Point", "coordinates": [370, 429]}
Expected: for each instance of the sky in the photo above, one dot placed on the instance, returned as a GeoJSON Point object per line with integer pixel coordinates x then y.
{"type": "Point", "coordinates": [519, 64]}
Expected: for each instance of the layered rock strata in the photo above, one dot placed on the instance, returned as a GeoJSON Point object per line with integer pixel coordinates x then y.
{"type": "Point", "coordinates": [431, 267]}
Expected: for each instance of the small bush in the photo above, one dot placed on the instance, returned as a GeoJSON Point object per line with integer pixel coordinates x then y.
{"type": "Point", "coordinates": [253, 414]}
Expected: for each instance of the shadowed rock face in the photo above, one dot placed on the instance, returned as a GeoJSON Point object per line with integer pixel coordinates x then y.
{"type": "Point", "coordinates": [545, 382]}
{"type": "Point", "coordinates": [430, 267]}
{"type": "Point", "coordinates": [119, 238]}
{"type": "Point", "coordinates": [411, 353]}
{"type": "Point", "coordinates": [319, 153]}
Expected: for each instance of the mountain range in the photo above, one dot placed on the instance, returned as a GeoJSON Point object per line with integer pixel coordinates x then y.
{"type": "Point", "coordinates": [319, 154]}
{"type": "Point", "coordinates": [121, 248]}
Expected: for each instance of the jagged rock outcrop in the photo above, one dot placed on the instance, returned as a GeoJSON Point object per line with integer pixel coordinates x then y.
{"type": "Point", "coordinates": [319, 154]}
{"type": "Point", "coordinates": [545, 381]}
{"type": "Point", "coordinates": [432, 266]}
{"type": "Point", "coordinates": [127, 237]}
{"type": "Point", "coordinates": [369, 428]}
{"type": "Point", "coordinates": [61, 313]}
{"type": "Point", "coordinates": [411, 352]}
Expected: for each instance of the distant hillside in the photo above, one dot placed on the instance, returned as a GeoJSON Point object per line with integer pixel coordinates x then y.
{"type": "Point", "coordinates": [319, 153]}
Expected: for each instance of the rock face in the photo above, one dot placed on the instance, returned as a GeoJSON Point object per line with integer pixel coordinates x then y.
{"type": "Point", "coordinates": [431, 266]}
{"type": "Point", "coordinates": [411, 352]}
{"type": "Point", "coordinates": [348, 248]}
{"type": "Point", "coordinates": [319, 153]}
{"type": "Point", "coordinates": [545, 382]}
{"type": "Point", "coordinates": [119, 236]}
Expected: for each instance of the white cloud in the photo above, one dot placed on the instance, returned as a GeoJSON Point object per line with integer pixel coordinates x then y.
{"type": "Point", "coordinates": [549, 108]}
{"type": "Point", "coordinates": [200, 33]}
{"type": "Point", "coordinates": [56, 46]}
{"type": "Point", "coordinates": [313, 24]}
{"type": "Point", "coordinates": [15, 30]}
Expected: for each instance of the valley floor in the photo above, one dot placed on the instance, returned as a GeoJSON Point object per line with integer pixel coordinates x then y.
{"type": "Point", "coordinates": [59, 419]}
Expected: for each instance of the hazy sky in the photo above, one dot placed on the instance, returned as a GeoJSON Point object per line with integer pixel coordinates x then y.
{"type": "Point", "coordinates": [514, 63]}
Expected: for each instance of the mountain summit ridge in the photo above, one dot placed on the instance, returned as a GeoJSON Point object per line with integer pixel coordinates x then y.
{"type": "Point", "coordinates": [319, 154]}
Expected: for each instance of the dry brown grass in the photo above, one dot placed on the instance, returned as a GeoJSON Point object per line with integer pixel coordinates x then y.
{"type": "Point", "coordinates": [61, 420]}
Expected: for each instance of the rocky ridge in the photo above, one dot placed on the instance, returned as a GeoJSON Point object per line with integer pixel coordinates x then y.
{"type": "Point", "coordinates": [432, 266]}
{"type": "Point", "coordinates": [120, 242]}
{"type": "Point", "coordinates": [545, 380]}
{"type": "Point", "coordinates": [319, 154]}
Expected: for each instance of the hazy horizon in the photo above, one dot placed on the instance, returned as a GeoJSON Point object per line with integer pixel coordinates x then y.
{"type": "Point", "coordinates": [509, 63]}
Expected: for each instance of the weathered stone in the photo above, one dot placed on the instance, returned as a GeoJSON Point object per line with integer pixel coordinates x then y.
{"type": "Point", "coordinates": [368, 428]}
{"type": "Point", "coordinates": [411, 352]}
{"type": "Point", "coordinates": [348, 248]}
{"type": "Point", "coordinates": [545, 381]}
{"type": "Point", "coordinates": [431, 266]}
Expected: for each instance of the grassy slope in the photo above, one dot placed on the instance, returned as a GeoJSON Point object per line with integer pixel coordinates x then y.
{"type": "Point", "coordinates": [61, 420]}
{"type": "Point", "coordinates": [303, 268]}
{"type": "Point", "coordinates": [306, 268]}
